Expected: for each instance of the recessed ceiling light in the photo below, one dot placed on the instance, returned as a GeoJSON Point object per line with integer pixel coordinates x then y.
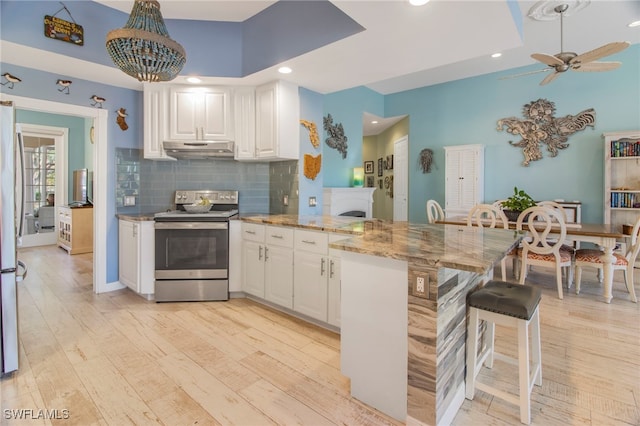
{"type": "Point", "coordinates": [284, 70]}
{"type": "Point", "coordinates": [194, 80]}
{"type": "Point", "coordinates": [374, 121]}
{"type": "Point", "coordinates": [418, 2]}
{"type": "Point", "coordinates": [496, 55]}
{"type": "Point", "coordinates": [634, 24]}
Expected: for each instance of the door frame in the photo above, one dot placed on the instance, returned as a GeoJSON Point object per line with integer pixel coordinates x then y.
{"type": "Point", "coordinates": [100, 123]}
{"type": "Point", "coordinates": [61, 137]}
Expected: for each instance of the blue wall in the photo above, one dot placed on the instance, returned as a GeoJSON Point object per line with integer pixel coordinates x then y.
{"type": "Point", "coordinates": [466, 112]}
{"type": "Point", "coordinates": [76, 135]}
{"type": "Point", "coordinates": [311, 110]}
{"type": "Point", "coordinates": [346, 107]}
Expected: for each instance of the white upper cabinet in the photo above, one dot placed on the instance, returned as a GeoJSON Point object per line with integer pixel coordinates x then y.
{"type": "Point", "coordinates": [200, 113]}
{"type": "Point", "coordinates": [276, 120]}
{"type": "Point", "coordinates": [464, 178]}
{"type": "Point", "coordinates": [156, 106]}
{"type": "Point", "coordinates": [244, 114]}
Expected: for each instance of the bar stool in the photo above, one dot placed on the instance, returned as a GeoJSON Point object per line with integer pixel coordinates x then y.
{"type": "Point", "coordinates": [512, 305]}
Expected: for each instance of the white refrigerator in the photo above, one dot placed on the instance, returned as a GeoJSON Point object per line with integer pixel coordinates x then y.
{"type": "Point", "coordinates": [11, 224]}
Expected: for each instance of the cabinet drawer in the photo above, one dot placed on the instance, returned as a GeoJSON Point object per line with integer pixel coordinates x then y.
{"type": "Point", "coordinates": [253, 232]}
{"type": "Point", "coordinates": [279, 236]}
{"type": "Point", "coordinates": [314, 242]}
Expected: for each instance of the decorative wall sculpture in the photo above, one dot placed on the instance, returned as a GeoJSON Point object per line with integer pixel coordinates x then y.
{"type": "Point", "coordinates": [540, 127]}
{"type": "Point", "coordinates": [121, 119]}
{"type": "Point", "coordinates": [11, 80]}
{"type": "Point", "coordinates": [426, 159]}
{"type": "Point", "coordinates": [337, 139]}
{"type": "Point", "coordinates": [313, 132]}
{"type": "Point", "coordinates": [312, 166]}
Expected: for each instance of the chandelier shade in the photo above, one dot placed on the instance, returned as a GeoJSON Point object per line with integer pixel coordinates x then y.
{"type": "Point", "coordinates": [143, 48]}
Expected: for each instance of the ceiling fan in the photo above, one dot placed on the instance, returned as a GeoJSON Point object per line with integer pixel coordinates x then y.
{"type": "Point", "coordinates": [565, 61]}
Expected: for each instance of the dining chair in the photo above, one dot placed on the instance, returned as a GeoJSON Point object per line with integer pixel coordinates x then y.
{"type": "Point", "coordinates": [434, 211]}
{"type": "Point", "coordinates": [491, 216]}
{"type": "Point", "coordinates": [595, 259]}
{"type": "Point", "coordinates": [566, 247]}
{"type": "Point", "coordinates": [539, 222]}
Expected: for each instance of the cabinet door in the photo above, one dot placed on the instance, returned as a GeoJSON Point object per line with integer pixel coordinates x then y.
{"type": "Point", "coordinates": [244, 115]}
{"type": "Point", "coordinates": [156, 113]}
{"type": "Point", "coordinates": [215, 117]}
{"type": "Point", "coordinates": [278, 273]}
{"type": "Point", "coordinates": [334, 288]}
{"type": "Point", "coordinates": [185, 105]}
{"type": "Point", "coordinates": [128, 255]}
{"type": "Point", "coordinates": [266, 121]}
{"type": "Point", "coordinates": [310, 285]}
{"type": "Point", "coordinates": [253, 268]}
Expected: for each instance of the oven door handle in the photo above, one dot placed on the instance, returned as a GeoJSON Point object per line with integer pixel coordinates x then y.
{"type": "Point", "coordinates": [191, 225]}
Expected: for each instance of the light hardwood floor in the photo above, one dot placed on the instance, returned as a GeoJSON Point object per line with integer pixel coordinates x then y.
{"type": "Point", "coordinates": [118, 359]}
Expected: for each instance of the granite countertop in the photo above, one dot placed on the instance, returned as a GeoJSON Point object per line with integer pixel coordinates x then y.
{"type": "Point", "coordinates": [465, 248]}
{"type": "Point", "coordinates": [337, 224]}
{"type": "Point", "coordinates": [135, 217]}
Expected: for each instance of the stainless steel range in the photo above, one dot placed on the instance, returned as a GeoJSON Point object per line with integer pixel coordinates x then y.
{"type": "Point", "coordinates": [192, 249]}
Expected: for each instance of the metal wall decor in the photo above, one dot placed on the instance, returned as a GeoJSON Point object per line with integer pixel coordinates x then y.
{"type": "Point", "coordinates": [313, 132]}
{"type": "Point", "coordinates": [426, 159]}
{"type": "Point", "coordinates": [336, 140]}
{"type": "Point", "coordinates": [312, 166]}
{"type": "Point", "coordinates": [64, 86]}
{"type": "Point", "coordinates": [540, 127]}
{"type": "Point", "coordinates": [10, 80]}
{"type": "Point", "coordinates": [97, 101]}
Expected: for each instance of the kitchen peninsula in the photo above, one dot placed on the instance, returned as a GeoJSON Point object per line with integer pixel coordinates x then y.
{"type": "Point", "coordinates": [404, 349]}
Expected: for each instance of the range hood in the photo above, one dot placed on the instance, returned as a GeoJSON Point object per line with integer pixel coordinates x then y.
{"type": "Point", "coordinates": [199, 149]}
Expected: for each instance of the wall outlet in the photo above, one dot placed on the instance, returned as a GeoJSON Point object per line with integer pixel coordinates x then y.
{"type": "Point", "coordinates": [420, 287]}
{"type": "Point", "coordinates": [285, 200]}
{"type": "Point", "coordinates": [312, 201]}
{"type": "Point", "coordinates": [129, 200]}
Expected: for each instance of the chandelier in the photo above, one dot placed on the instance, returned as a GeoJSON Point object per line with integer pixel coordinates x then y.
{"type": "Point", "coordinates": [143, 48]}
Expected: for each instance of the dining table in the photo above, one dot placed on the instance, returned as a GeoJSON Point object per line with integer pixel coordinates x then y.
{"type": "Point", "coordinates": [604, 235]}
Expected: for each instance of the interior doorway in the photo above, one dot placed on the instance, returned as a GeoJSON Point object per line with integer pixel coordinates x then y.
{"type": "Point", "coordinates": [99, 117]}
{"type": "Point", "coordinates": [44, 181]}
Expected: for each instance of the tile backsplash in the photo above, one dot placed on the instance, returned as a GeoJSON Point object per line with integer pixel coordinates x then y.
{"type": "Point", "coordinates": [158, 180]}
{"type": "Point", "coordinates": [283, 187]}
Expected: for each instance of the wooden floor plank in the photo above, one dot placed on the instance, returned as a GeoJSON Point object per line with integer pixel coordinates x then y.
{"type": "Point", "coordinates": [117, 358]}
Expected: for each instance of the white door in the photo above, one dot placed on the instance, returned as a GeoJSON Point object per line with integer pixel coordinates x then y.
{"type": "Point", "coordinates": [45, 178]}
{"type": "Point", "coordinates": [400, 178]}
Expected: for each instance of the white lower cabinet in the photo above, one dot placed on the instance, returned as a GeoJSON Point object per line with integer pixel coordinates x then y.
{"type": "Point", "coordinates": [292, 268]}
{"type": "Point", "coordinates": [253, 259]}
{"type": "Point", "coordinates": [278, 266]}
{"type": "Point", "coordinates": [136, 268]}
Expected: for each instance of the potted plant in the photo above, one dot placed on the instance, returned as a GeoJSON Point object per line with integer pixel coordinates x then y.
{"type": "Point", "coordinates": [516, 204]}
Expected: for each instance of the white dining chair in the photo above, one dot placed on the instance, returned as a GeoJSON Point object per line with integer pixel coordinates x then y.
{"type": "Point", "coordinates": [434, 211]}
{"type": "Point", "coordinates": [491, 216]}
{"type": "Point", "coordinates": [538, 249]}
{"type": "Point", "coordinates": [595, 259]}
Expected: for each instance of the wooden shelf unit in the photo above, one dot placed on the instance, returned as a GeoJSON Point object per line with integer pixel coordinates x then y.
{"type": "Point", "coordinates": [75, 229]}
{"type": "Point", "coordinates": [621, 177]}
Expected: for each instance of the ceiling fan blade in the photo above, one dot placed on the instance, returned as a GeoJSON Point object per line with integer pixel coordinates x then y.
{"type": "Point", "coordinates": [600, 52]}
{"type": "Point", "coordinates": [596, 66]}
{"type": "Point", "coordinates": [524, 73]}
{"type": "Point", "coordinates": [547, 59]}
{"type": "Point", "coordinates": [548, 79]}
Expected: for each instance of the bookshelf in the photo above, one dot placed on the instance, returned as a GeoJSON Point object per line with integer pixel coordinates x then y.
{"type": "Point", "coordinates": [621, 177]}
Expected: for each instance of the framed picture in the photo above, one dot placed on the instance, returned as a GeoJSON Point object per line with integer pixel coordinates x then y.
{"type": "Point", "coordinates": [380, 169]}
{"type": "Point", "coordinates": [370, 182]}
{"type": "Point", "coordinates": [368, 167]}
{"type": "Point", "coordinates": [389, 162]}
{"type": "Point", "coordinates": [380, 183]}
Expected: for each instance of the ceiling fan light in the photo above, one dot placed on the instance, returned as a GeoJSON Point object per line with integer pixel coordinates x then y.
{"type": "Point", "coordinates": [143, 48]}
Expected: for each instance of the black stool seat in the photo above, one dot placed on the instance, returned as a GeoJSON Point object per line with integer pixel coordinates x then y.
{"type": "Point", "coordinates": [515, 300]}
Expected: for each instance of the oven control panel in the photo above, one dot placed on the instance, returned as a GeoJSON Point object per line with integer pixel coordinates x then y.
{"type": "Point", "coordinates": [215, 197]}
